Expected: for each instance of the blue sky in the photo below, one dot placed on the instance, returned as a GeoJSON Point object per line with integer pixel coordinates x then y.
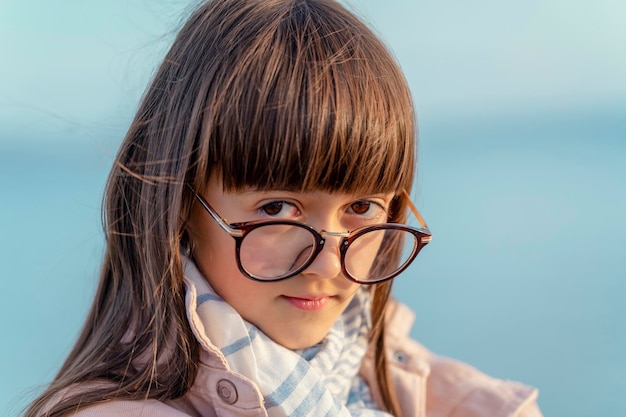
{"type": "Point", "coordinates": [87, 62]}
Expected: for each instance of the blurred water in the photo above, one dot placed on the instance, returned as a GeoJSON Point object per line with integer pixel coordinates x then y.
{"type": "Point", "coordinates": [524, 278]}
{"type": "Point", "coordinates": [525, 274]}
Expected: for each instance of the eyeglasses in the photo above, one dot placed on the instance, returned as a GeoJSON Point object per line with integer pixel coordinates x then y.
{"type": "Point", "coordinates": [274, 250]}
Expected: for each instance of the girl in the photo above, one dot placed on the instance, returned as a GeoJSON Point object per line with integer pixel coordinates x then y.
{"type": "Point", "coordinates": [255, 218]}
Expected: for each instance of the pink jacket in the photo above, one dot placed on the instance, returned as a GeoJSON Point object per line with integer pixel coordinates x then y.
{"type": "Point", "coordinates": [427, 385]}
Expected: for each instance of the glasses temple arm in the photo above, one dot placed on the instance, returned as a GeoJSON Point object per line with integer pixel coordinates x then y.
{"type": "Point", "coordinates": [414, 210]}
{"type": "Point", "coordinates": [221, 222]}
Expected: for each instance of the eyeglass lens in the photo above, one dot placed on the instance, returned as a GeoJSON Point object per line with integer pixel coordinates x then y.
{"type": "Point", "coordinates": [274, 251]}
{"type": "Point", "coordinates": [372, 256]}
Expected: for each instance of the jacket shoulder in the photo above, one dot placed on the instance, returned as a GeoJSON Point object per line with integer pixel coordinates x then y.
{"type": "Point", "coordinates": [450, 388]}
{"type": "Point", "coordinates": [458, 389]}
{"type": "Point", "coordinates": [124, 408]}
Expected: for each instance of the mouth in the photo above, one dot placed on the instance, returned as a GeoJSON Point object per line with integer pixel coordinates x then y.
{"type": "Point", "coordinates": [309, 303]}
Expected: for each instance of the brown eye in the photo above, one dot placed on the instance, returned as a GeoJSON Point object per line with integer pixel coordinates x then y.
{"type": "Point", "coordinates": [272, 209]}
{"type": "Point", "coordinates": [360, 207]}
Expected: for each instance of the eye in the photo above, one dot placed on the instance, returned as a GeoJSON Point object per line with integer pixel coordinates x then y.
{"type": "Point", "coordinates": [364, 212]}
{"type": "Point", "coordinates": [273, 208]}
{"type": "Point", "coordinates": [279, 208]}
{"type": "Point", "coordinates": [360, 207]}
{"type": "Point", "coordinates": [369, 211]}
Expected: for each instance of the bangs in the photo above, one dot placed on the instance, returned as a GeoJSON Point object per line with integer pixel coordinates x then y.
{"type": "Point", "coordinates": [300, 105]}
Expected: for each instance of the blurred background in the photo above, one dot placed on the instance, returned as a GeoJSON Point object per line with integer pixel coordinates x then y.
{"type": "Point", "coordinates": [522, 179]}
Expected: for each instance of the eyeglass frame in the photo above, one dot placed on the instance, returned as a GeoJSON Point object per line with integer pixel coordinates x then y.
{"type": "Point", "coordinates": [239, 230]}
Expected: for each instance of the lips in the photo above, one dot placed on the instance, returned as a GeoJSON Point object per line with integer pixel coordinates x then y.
{"type": "Point", "coordinates": [309, 302]}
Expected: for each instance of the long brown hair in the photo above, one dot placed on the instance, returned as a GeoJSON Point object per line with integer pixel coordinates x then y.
{"type": "Point", "coordinates": [295, 94]}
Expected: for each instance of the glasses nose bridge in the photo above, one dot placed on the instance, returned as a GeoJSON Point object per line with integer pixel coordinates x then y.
{"type": "Point", "coordinates": [325, 234]}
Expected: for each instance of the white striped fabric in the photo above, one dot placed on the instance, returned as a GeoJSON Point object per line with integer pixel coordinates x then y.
{"type": "Point", "coordinates": [319, 381]}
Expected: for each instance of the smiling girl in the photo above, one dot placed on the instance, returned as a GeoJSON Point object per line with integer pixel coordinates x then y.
{"type": "Point", "coordinates": [255, 217]}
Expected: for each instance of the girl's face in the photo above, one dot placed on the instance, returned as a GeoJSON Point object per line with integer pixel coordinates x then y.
{"type": "Point", "coordinates": [297, 312]}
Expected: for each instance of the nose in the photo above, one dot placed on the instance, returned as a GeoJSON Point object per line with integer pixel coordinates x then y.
{"type": "Point", "coordinates": [327, 264]}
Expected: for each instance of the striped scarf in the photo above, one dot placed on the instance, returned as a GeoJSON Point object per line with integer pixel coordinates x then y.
{"type": "Point", "coordinates": [320, 380]}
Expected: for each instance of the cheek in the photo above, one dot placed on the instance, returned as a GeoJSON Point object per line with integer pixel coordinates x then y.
{"type": "Point", "coordinates": [217, 261]}
{"type": "Point", "coordinates": [252, 300]}
{"type": "Point", "coordinates": [213, 252]}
